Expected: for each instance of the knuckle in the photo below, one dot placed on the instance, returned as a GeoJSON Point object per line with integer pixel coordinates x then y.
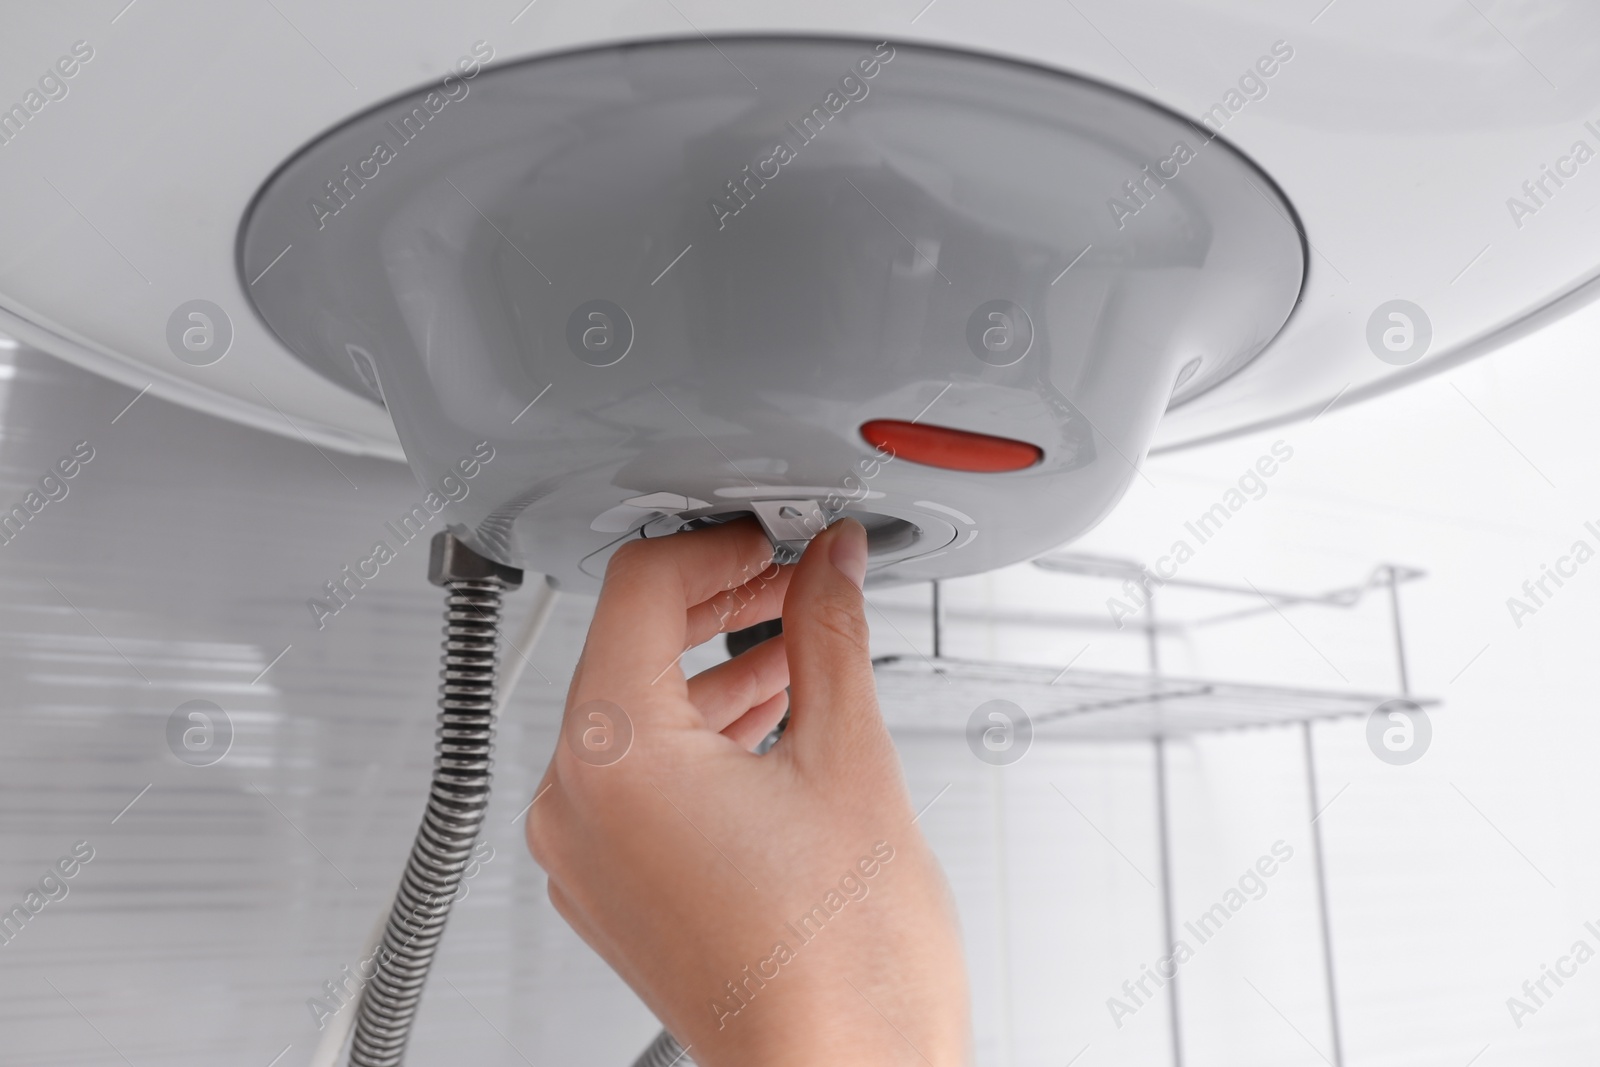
{"type": "Point", "coordinates": [745, 685]}
{"type": "Point", "coordinates": [631, 554]}
{"type": "Point", "coordinates": [558, 900]}
{"type": "Point", "coordinates": [562, 901]}
{"type": "Point", "coordinates": [842, 618]}
{"type": "Point", "coordinates": [541, 837]}
{"type": "Point", "coordinates": [730, 605]}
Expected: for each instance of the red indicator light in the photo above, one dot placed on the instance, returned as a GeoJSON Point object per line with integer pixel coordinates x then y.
{"type": "Point", "coordinates": [954, 450]}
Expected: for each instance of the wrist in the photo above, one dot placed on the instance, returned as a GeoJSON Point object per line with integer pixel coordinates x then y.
{"type": "Point", "coordinates": [838, 1026]}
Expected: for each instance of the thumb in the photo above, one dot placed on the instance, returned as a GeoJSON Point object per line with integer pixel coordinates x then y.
{"type": "Point", "coordinates": [833, 698]}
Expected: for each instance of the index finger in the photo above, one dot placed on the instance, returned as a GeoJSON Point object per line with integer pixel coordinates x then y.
{"type": "Point", "coordinates": [640, 623]}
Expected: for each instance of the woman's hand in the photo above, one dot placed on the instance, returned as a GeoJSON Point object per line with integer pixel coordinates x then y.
{"type": "Point", "coordinates": [777, 909]}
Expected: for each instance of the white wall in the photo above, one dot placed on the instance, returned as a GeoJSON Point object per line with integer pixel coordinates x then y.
{"type": "Point", "coordinates": [1451, 880]}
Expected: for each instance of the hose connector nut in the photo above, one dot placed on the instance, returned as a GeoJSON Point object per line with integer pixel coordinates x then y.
{"type": "Point", "coordinates": [450, 560]}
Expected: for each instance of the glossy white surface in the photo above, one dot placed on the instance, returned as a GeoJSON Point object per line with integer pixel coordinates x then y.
{"type": "Point", "coordinates": [1398, 135]}
{"type": "Point", "coordinates": [622, 271]}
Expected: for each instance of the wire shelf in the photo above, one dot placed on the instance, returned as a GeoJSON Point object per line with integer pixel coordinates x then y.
{"type": "Point", "coordinates": [943, 695]}
{"type": "Point", "coordinates": [938, 695]}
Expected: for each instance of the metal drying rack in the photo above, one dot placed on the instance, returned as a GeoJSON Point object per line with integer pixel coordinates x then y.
{"type": "Point", "coordinates": [1083, 705]}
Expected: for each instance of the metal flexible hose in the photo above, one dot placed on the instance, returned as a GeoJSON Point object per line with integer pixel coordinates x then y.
{"type": "Point", "coordinates": [664, 1051]}
{"type": "Point", "coordinates": [456, 805]}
